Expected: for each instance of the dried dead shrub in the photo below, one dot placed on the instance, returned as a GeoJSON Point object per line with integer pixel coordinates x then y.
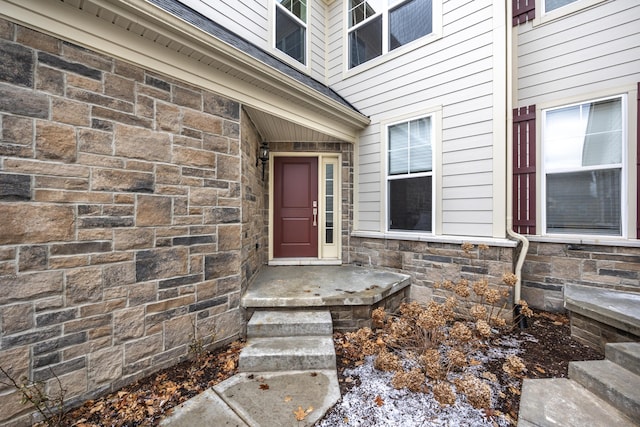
{"type": "Point", "coordinates": [414, 380]}
{"type": "Point", "coordinates": [435, 340]}
{"type": "Point", "coordinates": [478, 393]}
{"type": "Point", "coordinates": [461, 332]}
{"type": "Point", "coordinates": [387, 361]}
{"type": "Point", "coordinates": [432, 364]}
{"type": "Point", "coordinates": [457, 358]}
{"type": "Point", "coordinates": [359, 344]}
{"type": "Point", "coordinates": [378, 316]}
{"type": "Point", "coordinates": [514, 366]}
{"type": "Point", "coordinates": [444, 394]}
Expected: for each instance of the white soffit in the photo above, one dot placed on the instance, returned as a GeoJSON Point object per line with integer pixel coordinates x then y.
{"type": "Point", "coordinates": [276, 129]}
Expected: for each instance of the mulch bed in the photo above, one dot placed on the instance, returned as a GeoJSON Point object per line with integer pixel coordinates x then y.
{"type": "Point", "coordinates": [548, 350]}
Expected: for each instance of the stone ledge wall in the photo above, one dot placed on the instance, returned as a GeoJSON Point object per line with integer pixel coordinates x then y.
{"type": "Point", "coordinates": [430, 263]}
{"type": "Point", "coordinates": [349, 318]}
{"type": "Point", "coordinates": [121, 216]}
{"type": "Point", "coordinates": [596, 334]}
{"type": "Point", "coordinates": [548, 266]}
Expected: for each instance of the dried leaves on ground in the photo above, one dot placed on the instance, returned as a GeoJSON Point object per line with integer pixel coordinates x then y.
{"type": "Point", "coordinates": [147, 401]}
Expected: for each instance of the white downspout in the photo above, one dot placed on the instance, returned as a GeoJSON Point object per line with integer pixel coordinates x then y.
{"type": "Point", "coordinates": [509, 154]}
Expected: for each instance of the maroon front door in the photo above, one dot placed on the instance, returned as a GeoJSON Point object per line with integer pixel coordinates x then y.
{"type": "Point", "coordinates": [295, 207]}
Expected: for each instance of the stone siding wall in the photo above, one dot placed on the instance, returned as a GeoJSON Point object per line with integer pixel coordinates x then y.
{"type": "Point", "coordinates": [255, 219]}
{"type": "Point", "coordinates": [430, 263]}
{"type": "Point", "coordinates": [121, 215]}
{"type": "Point", "coordinates": [549, 266]}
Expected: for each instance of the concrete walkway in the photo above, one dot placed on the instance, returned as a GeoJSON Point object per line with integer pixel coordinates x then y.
{"type": "Point", "coordinates": [261, 399]}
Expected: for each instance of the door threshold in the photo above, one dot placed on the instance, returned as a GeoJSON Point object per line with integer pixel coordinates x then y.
{"type": "Point", "coordinates": [304, 261]}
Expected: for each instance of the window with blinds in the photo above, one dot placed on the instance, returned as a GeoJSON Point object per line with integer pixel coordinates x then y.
{"type": "Point", "coordinates": [410, 175]}
{"type": "Point", "coordinates": [584, 167]}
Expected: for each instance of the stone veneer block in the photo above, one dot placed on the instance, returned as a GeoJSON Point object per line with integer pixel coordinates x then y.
{"type": "Point", "coordinates": [161, 264]}
{"type": "Point", "coordinates": [56, 142]}
{"type": "Point", "coordinates": [153, 211]}
{"type": "Point", "coordinates": [15, 187]}
{"type": "Point", "coordinates": [140, 143]}
{"type": "Point", "coordinates": [23, 102]}
{"type": "Point", "coordinates": [221, 264]}
{"type": "Point", "coordinates": [25, 223]}
{"type": "Point", "coordinates": [16, 64]}
{"type": "Point", "coordinates": [14, 288]}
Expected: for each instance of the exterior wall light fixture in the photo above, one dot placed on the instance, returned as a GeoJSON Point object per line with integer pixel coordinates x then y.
{"type": "Point", "coordinates": [263, 155]}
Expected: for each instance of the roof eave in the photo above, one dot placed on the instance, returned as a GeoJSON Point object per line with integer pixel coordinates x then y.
{"type": "Point", "coordinates": [236, 58]}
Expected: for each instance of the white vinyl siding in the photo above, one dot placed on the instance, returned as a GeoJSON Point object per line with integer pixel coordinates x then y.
{"type": "Point", "coordinates": [453, 73]}
{"type": "Point", "coordinates": [316, 37]}
{"type": "Point", "coordinates": [246, 18]}
{"type": "Point", "coordinates": [591, 51]}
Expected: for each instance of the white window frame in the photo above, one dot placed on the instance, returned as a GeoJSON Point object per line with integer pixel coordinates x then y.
{"type": "Point", "coordinates": [543, 16]}
{"type": "Point", "coordinates": [274, 4]}
{"type": "Point", "coordinates": [544, 6]}
{"type": "Point", "coordinates": [624, 166]}
{"type": "Point", "coordinates": [386, 55]}
{"type": "Point", "coordinates": [433, 117]}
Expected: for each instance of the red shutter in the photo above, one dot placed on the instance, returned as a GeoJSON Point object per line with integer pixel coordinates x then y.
{"type": "Point", "coordinates": [638, 167]}
{"type": "Point", "coordinates": [523, 11]}
{"type": "Point", "coordinates": [524, 170]}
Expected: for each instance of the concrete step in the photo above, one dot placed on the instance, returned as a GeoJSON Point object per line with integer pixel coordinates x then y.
{"type": "Point", "coordinates": [563, 402]}
{"type": "Point", "coordinates": [625, 354]}
{"type": "Point", "coordinates": [610, 382]}
{"type": "Point", "coordinates": [288, 353]}
{"type": "Point", "coordinates": [289, 323]}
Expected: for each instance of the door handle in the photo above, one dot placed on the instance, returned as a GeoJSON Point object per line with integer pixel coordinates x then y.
{"type": "Point", "coordinates": [315, 213]}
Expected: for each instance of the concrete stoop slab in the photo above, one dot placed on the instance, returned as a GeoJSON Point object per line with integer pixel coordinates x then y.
{"type": "Point", "coordinates": [615, 308]}
{"type": "Point", "coordinates": [269, 399]}
{"type": "Point", "coordinates": [289, 323]}
{"type": "Point", "coordinates": [563, 402]}
{"type": "Point", "coordinates": [288, 353]}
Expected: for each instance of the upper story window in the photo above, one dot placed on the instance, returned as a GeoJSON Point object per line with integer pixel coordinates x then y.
{"type": "Point", "coordinates": [550, 5]}
{"type": "Point", "coordinates": [379, 26]}
{"type": "Point", "coordinates": [410, 175]}
{"type": "Point", "coordinates": [584, 167]}
{"type": "Point", "coordinates": [291, 28]}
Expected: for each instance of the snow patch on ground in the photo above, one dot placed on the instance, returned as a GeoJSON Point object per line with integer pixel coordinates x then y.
{"type": "Point", "coordinates": [374, 401]}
